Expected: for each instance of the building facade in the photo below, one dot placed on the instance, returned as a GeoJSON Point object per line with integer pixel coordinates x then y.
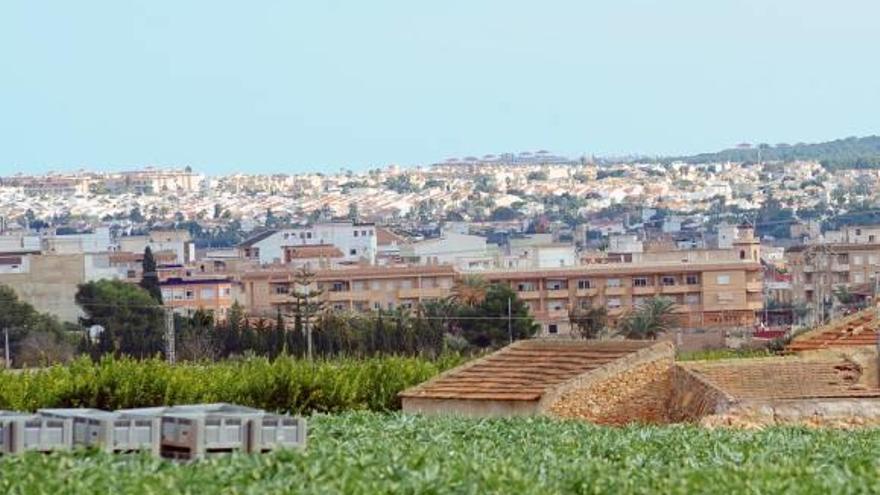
{"type": "Point", "coordinates": [356, 241]}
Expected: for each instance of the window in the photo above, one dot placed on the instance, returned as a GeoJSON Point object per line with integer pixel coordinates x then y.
{"type": "Point", "coordinates": [612, 282]}
{"type": "Point", "coordinates": [302, 235]}
{"type": "Point", "coordinates": [742, 254]}
{"type": "Point", "coordinates": [352, 251]}
{"type": "Point", "coordinates": [189, 294]}
{"type": "Point", "coordinates": [871, 238]}
{"type": "Point", "coordinates": [723, 280]}
{"type": "Point", "coordinates": [226, 291]}
{"type": "Point", "coordinates": [858, 231]}
{"type": "Point", "coordinates": [363, 233]}
{"type": "Point", "coordinates": [858, 277]}
{"type": "Point", "coordinates": [583, 284]}
{"type": "Point", "coordinates": [555, 284]}
{"type": "Point", "coordinates": [131, 274]}
{"type": "Point", "coordinates": [640, 282]}
{"type": "Point", "coordinates": [856, 259]}
{"type": "Point", "coordinates": [377, 305]}
{"type": "Point", "coordinates": [552, 328]}
{"type": "Point", "coordinates": [282, 289]}
{"type": "Point", "coordinates": [355, 233]}
{"type": "Point", "coordinates": [308, 235]}
{"type": "Point", "coordinates": [692, 299]}
{"type": "Point", "coordinates": [725, 297]}
{"type": "Point", "coordinates": [668, 280]}
{"type": "Point", "coordinates": [613, 302]}
{"type": "Point", "coordinates": [337, 287]}
{"type": "Point", "coordinates": [872, 259]}
{"type": "Point", "coordinates": [692, 280]}
{"type": "Point", "coordinates": [207, 294]}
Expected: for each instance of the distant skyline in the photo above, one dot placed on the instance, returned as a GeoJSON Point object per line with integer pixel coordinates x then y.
{"type": "Point", "coordinates": [274, 86]}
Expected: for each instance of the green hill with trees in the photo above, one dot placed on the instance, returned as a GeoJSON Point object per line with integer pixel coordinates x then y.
{"type": "Point", "coordinates": [848, 153]}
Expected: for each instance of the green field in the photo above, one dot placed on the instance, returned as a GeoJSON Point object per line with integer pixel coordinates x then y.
{"type": "Point", "coordinates": [367, 452]}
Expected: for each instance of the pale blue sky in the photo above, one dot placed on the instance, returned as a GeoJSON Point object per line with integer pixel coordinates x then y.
{"type": "Point", "coordinates": [287, 86]}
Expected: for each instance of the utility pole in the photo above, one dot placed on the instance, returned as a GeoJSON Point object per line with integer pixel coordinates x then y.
{"type": "Point", "coordinates": [170, 354]}
{"type": "Point", "coordinates": [509, 321]}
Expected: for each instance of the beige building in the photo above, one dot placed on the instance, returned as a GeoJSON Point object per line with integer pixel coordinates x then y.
{"type": "Point", "coordinates": [707, 294]}
{"type": "Point", "coordinates": [820, 269]}
{"type": "Point", "coordinates": [719, 291]}
{"type": "Point", "coordinates": [49, 282]}
{"type": "Point", "coordinates": [349, 289]}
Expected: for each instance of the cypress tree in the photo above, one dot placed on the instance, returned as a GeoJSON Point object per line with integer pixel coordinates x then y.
{"type": "Point", "coordinates": [150, 277]}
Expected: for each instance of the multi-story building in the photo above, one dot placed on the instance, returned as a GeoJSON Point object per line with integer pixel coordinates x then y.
{"type": "Point", "coordinates": [356, 241]}
{"type": "Point", "coordinates": [713, 293]}
{"type": "Point", "coordinates": [186, 296]}
{"type": "Point", "coordinates": [818, 270]}
{"type": "Point", "coordinates": [359, 289]}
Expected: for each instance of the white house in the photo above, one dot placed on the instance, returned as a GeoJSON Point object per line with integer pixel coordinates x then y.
{"type": "Point", "coordinates": [356, 241]}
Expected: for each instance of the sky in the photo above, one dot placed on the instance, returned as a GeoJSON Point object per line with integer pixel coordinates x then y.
{"type": "Point", "coordinates": [294, 86]}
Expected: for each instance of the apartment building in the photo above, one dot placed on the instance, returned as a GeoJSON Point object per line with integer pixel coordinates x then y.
{"type": "Point", "coordinates": [712, 287]}
{"type": "Point", "coordinates": [360, 289]}
{"type": "Point", "coordinates": [186, 296]}
{"type": "Point", "coordinates": [721, 293]}
{"type": "Point", "coordinates": [356, 241]}
{"type": "Point", "coordinates": [820, 269]}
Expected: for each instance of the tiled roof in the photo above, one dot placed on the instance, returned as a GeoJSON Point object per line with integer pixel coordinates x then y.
{"type": "Point", "coordinates": [785, 378]}
{"type": "Point", "coordinates": [859, 329]}
{"type": "Point", "coordinates": [525, 370]}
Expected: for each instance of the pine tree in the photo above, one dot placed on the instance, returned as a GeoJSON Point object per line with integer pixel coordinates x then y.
{"type": "Point", "coordinates": [150, 277]}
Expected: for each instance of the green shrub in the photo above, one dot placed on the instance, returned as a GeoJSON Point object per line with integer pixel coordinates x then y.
{"type": "Point", "coordinates": [284, 384]}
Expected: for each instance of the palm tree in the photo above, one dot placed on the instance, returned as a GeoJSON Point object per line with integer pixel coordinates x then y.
{"type": "Point", "coordinates": [649, 319]}
{"type": "Point", "coordinates": [470, 290]}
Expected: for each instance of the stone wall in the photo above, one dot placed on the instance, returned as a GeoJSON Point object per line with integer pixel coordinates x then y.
{"type": "Point", "coordinates": [827, 412]}
{"type": "Point", "coordinates": [691, 397]}
{"type": "Point", "coordinates": [632, 389]}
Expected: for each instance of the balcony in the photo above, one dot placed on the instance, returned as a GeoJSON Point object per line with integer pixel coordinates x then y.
{"type": "Point", "coordinates": [615, 291]}
{"type": "Point", "coordinates": [755, 305]}
{"type": "Point", "coordinates": [529, 294]}
{"type": "Point", "coordinates": [557, 294]}
{"type": "Point", "coordinates": [678, 289]}
{"type": "Point", "coordinates": [415, 293]}
{"type": "Point", "coordinates": [840, 267]}
{"type": "Point", "coordinates": [641, 291]}
{"type": "Point", "coordinates": [587, 292]}
{"type": "Point", "coordinates": [756, 286]}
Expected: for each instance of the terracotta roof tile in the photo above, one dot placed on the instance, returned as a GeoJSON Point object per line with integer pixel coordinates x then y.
{"type": "Point", "coordinates": [525, 370]}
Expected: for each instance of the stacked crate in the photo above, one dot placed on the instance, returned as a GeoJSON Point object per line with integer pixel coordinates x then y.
{"type": "Point", "coordinates": [22, 432]}
{"type": "Point", "coordinates": [110, 431]}
{"type": "Point", "coordinates": [185, 432]}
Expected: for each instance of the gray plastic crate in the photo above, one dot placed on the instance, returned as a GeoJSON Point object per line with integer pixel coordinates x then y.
{"type": "Point", "coordinates": [275, 431]}
{"type": "Point", "coordinates": [21, 432]}
{"type": "Point", "coordinates": [111, 431]}
{"type": "Point", "coordinates": [195, 435]}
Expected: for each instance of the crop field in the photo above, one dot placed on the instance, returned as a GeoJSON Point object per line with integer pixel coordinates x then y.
{"type": "Point", "coordinates": [366, 452]}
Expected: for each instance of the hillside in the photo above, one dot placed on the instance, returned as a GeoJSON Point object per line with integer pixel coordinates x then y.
{"type": "Point", "coordinates": [849, 153]}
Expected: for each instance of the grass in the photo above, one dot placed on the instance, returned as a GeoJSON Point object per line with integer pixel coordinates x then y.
{"type": "Point", "coordinates": [370, 453]}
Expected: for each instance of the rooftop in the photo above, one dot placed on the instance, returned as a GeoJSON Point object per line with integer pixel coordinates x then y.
{"type": "Point", "coordinates": [524, 370]}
